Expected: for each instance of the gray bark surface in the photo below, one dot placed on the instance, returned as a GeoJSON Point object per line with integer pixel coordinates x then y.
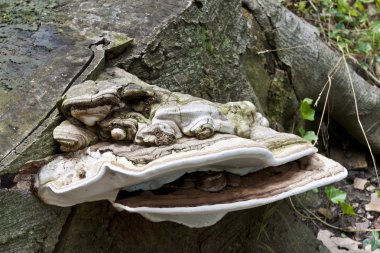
{"type": "Point", "coordinates": [204, 48]}
{"type": "Point", "coordinates": [28, 225]}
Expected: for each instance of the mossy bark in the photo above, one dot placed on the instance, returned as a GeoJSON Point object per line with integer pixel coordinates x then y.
{"type": "Point", "coordinates": [204, 48]}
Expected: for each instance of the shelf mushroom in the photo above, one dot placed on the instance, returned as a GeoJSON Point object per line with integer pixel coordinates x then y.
{"type": "Point", "coordinates": [191, 161]}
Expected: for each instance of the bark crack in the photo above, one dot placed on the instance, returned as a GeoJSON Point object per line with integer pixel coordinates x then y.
{"type": "Point", "coordinates": [49, 114]}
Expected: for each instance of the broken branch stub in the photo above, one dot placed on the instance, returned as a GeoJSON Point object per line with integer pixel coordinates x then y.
{"type": "Point", "coordinates": [171, 156]}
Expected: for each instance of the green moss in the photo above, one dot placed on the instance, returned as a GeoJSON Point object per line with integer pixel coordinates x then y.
{"type": "Point", "coordinates": [206, 40]}
{"type": "Point", "coordinates": [28, 12]}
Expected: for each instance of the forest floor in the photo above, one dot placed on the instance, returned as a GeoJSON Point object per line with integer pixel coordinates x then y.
{"type": "Point", "coordinates": [352, 227]}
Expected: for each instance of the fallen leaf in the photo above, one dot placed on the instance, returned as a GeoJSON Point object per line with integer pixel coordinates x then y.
{"type": "Point", "coordinates": [359, 183]}
{"type": "Point", "coordinates": [374, 204]}
{"type": "Point", "coordinates": [326, 213]}
{"type": "Point", "coordinates": [341, 245]}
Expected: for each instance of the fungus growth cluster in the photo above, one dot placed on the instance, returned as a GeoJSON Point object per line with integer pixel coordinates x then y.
{"type": "Point", "coordinates": [172, 156]}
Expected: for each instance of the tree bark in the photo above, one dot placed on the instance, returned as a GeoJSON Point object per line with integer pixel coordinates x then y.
{"type": "Point", "coordinates": [204, 48]}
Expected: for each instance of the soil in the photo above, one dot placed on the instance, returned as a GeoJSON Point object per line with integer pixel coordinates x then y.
{"type": "Point", "coordinates": [357, 160]}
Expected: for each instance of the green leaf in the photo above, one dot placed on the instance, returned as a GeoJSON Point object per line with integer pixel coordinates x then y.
{"type": "Point", "coordinates": [306, 110]}
{"type": "Point", "coordinates": [315, 190]}
{"type": "Point", "coordinates": [347, 208]}
{"type": "Point", "coordinates": [360, 6]}
{"type": "Point", "coordinates": [373, 240]}
{"type": "Point", "coordinates": [364, 47]}
{"type": "Point", "coordinates": [302, 6]}
{"type": "Point", "coordinates": [310, 136]}
{"type": "Point", "coordinates": [378, 193]}
{"type": "Point", "coordinates": [335, 195]}
{"type": "Point", "coordinates": [353, 12]}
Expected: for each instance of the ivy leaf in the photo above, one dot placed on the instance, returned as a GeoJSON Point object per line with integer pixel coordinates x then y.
{"type": "Point", "coordinates": [310, 136]}
{"type": "Point", "coordinates": [306, 110]}
{"type": "Point", "coordinates": [335, 195]}
{"type": "Point", "coordinates": [364, 47]}
{"type": "Point", "coordinates": [347, 208]}
{"type": "Point", "coordinates": [373, 240]}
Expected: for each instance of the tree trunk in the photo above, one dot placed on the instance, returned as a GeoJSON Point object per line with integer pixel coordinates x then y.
{"type": "Point", "coordinates": [203, 48]}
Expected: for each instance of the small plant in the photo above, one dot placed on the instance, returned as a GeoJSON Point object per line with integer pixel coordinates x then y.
{"type": "Point", "coordinates": [307, 113]}
{"type": "Point", "coordinates": [337, 196]}
{"type": "Point", "coordinates": [353, 25]}
{"type": "Point", "coordinates": [373, 240]}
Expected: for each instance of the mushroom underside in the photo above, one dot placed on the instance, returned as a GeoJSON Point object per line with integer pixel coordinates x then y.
{"type": "Point", "coordinates": [184, 202]}
{"type": "Point", "coordinates": [210, 188]}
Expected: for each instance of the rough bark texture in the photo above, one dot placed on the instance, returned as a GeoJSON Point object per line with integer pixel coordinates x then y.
{"type": "Point", "coordinates": [28, 225]}
{"type": "Point", "coordinates": [259, 230]}
{"type": "Point", "coordinates": [205, 48]}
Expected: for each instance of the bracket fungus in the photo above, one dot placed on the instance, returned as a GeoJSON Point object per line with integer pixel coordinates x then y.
{"type": "Point", "coordinates": [171, 156]}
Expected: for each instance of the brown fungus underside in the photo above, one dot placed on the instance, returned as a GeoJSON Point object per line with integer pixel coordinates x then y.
{"type": "Point", "coordinates": [198, 188]}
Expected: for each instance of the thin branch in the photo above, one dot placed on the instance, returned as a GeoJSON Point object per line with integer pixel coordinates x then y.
{"type": "Point", "coordinates": [358, 117]}
{"type": "Point", "coordinates": [333, 71]}
{"type": "Point", "coordinates": [282, 49]}
{"type": "Point", "coordinates": [349, 230]}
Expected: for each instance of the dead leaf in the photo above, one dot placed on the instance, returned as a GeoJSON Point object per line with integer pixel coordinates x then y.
{"type": "Point", "coordinates": [374, 204]}
{"type": "Point", "coordinates": [341, 245]}
{"type": "Point", "coordinates": [359, 183]}
{"type": "Point", "coordinates": [326, 213]}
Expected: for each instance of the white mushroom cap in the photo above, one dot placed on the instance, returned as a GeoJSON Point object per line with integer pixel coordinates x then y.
{"type": "Point", "coordinates": [112, 167]}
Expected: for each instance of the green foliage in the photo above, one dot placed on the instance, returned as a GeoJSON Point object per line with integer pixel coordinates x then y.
{"type": "Point", "coordinates": [347, 208]}
{"type": "Point", "coordinates": [337, 196]}
{"type": "Point", "coordinates": [373, 240]}
{"type": "Point", "coordinates": [307, 111]}
{"type": "Point", "coordinates": [307, 135]}
{"type": "Point", "coordinates": [353, 25]}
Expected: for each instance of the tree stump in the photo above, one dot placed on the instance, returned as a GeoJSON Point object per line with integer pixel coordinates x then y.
{"type": "Point", "coordinates": [206, 48]}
